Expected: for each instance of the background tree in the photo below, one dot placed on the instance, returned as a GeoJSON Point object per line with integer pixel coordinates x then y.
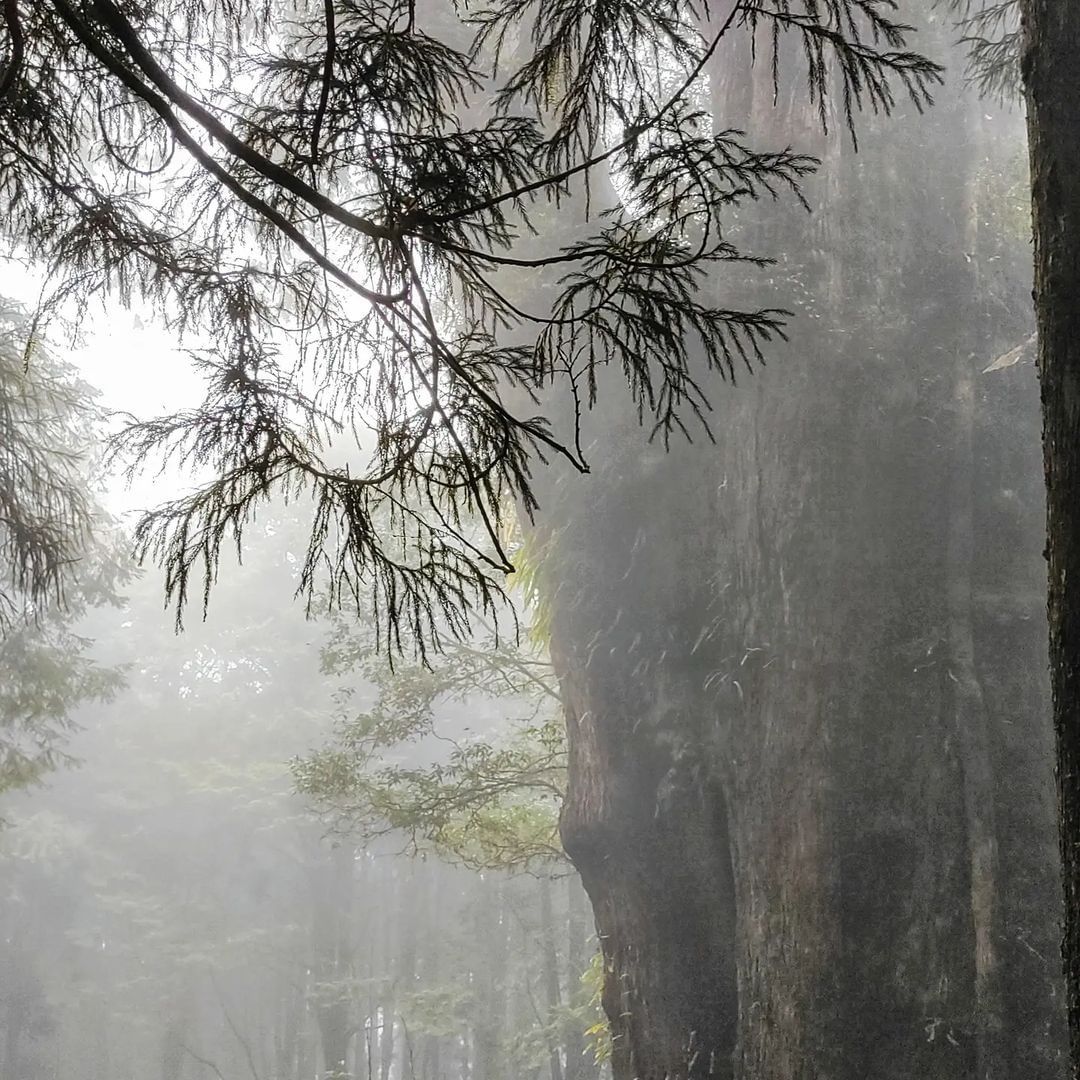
{"type": "Point", "coordinates": [175, 909]}
{"type": "Point", "coordinates": [58, 557]}
{"type": "Point", "coordinates": [1029, 45]}
{"type": "Point", "coordinates": [463, 756]}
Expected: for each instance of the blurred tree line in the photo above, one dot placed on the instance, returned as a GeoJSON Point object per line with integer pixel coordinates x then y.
{"type": "Point", "coordinates": [172, 906]}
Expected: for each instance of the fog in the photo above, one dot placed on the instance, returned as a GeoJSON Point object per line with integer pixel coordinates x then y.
{"type": "Point", "coordinates": [749, 777]}
{"type": "Point", "coordinates": [172, 906]}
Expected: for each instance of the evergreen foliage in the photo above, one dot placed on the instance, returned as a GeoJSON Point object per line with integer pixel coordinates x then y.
{"type": "Point", "coordinates": [991, 30]}
{"type": "Point", "coordinates": [328, 194]}
{"type": "Point", "coordinates": [46, 512]}
{"type": "Point", "coordinates": [57, 557]}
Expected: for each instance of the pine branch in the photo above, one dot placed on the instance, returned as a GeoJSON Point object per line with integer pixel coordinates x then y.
{"type": "Point", "coordinates": [355, 188]}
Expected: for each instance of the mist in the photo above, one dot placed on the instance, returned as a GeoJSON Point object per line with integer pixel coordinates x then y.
{"type": "Point", "coordinates": [606, 639]}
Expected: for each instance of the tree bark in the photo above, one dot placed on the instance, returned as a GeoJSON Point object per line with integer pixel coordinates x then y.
{"type": "Point", "coordinates": [787, 766]}
{"type": "Point", "coordinates": [1051, 46]}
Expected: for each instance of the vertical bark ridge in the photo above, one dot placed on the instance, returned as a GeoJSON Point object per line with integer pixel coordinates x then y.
{"type": "Point", "coordinates": [1050, 50]}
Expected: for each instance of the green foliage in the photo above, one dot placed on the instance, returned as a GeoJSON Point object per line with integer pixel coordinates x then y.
{"type": "Point", "coordinates": [438, 1010]}
{"type": "Point", "coordinates": [58, 555]}
{"type": "Point", "coordinates": [582, 1012]}
{"type": "Point", "coordinates": [49, 673]}
{"type": "Point", "coordinates": [599, 1031]}
{"type": "Point", "coordinates": [486, 805]}
{"type": "Point", "coordinates": [46, 508]}
{"type": "Point", "coordinates": [532, 565]}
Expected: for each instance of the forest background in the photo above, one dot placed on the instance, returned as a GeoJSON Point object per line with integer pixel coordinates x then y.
{"type": "Point", "coordinates": [793, 658]}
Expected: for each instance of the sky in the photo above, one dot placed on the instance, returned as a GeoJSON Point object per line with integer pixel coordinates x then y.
{"type": "Point", "coordinates": [134, 362]}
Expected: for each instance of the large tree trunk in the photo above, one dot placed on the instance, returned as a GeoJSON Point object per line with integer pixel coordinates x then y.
{"type": "Point", "coordinates": [1051, 49]}
{"type": "Point", "coordinates": [792, 751]}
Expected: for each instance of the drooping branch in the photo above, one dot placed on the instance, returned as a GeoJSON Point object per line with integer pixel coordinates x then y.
{"type": "Point", "coordinates": [317, 193]}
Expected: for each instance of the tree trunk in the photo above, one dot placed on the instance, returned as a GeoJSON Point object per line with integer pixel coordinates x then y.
{"type": "Point", "coordinates": [1051, 47]}
{"type": "Point", "coordinates": [551, 977]}
{"type": "Point", "coordinates": [580, 1063]}
{"type": "Point", "coordinates": [489, 1025]}
{"type": "Point", "coordinates": [332, 892]}
{"type": "Point", "coordinates": [787, 763]}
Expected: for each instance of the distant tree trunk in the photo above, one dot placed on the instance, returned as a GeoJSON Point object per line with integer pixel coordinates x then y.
{"type": "Point", "coordinates": [579, 1062]}
{"type": "Point", "coordinates": [289, 1031]}
{"type": "Point", "coordinates": [435, 1053]}
{"type": "Point", "coordinates": [307, 1051]}
{"type": "Point", "coordinates": [332, 894]}
{"type": "Point", "coordinates": [489, 1015]}
{"type": "Point", "coordinates": [399, 981]}
{"type": "Point", "coordinates": [789, 701]}
{"type": "Point", "coordinates": [968, 707]}
{"type": "Point", "coordinates": [551, 976]}
{"type": "Point", "coordinates": [1050, 51]}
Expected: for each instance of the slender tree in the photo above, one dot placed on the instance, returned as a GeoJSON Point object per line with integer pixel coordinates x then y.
{"type": "Point", "coordinates": [1051, 44]}
{"type": "Point", "coordinates": [57, 555]}
{"type": "Point", "coordinates": [1033, 45]}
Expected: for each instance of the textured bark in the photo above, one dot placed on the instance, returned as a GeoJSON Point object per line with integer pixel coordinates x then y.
{"type": "Point", "coordinates": [660, 909]}
{"type": "Point", "coordinates": [790, 710]}
{"type": "Point", "coordinates": [1051, 49]}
